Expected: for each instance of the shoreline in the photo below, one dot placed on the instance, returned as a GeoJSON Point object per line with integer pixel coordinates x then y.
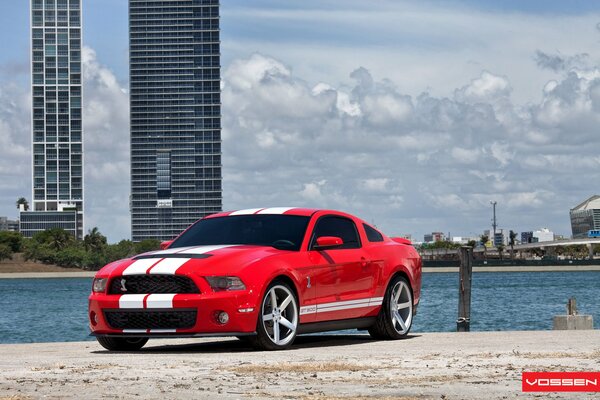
{"type": "Point", "coordinates": [422, 366]}
{"type": "Point", "coordinates": [426, 270]}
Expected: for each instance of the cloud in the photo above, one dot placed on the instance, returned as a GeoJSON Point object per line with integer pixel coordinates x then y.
{"type": "Point", "coordinates": [409, 162]}
{"type": "Point", "coordinates": [558, 63]}
{"type": "Point", "coordinates": [106, 146]}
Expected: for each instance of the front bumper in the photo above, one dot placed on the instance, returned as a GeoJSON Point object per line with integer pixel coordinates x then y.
{"type": "Point", "coordinates": [207, 307]}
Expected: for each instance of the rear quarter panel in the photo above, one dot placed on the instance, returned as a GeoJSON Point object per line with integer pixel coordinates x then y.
{"type": "Point", "coordinates": [396, 258]}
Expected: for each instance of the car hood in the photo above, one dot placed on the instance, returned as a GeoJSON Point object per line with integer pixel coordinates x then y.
{"type": "Point", "coordinates": [212, 260]}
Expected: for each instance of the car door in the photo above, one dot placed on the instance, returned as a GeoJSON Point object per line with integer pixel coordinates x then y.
{"type": "Point", "coordinates": [343, 276]}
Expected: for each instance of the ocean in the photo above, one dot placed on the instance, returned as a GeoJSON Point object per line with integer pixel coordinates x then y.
{"type": "Point", "coordinates": [55, 310]}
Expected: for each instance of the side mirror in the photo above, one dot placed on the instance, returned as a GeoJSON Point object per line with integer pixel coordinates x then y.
{"type": "Point", "coordinates": [165, 245]}
{"type": "Point", "coordinates": [328, 242]}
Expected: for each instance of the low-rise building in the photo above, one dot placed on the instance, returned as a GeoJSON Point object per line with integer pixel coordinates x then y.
{"type": "Point", "coordinates": [9, 224]}
{"type": "Point", "coordinates": [544, 235]}
{"type": "Point", "coordinates": [67, 218]}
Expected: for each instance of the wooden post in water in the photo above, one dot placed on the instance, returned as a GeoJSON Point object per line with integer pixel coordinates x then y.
{"type": "Point", "coordinates": [463, 323]}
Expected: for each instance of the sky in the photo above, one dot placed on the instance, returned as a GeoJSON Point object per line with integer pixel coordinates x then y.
{"type": "Point", "coordinates": [410, 115]}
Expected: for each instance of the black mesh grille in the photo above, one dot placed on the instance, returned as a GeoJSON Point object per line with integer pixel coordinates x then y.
{"type": "Point", "coordinates": [142, 284]}
{"type": "Point", "coordinates": [150, 319]}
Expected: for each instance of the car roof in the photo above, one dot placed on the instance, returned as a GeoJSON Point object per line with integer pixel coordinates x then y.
{"type": "Point", "coordinates": [306, 212]}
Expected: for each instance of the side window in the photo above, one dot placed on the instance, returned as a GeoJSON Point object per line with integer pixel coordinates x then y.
{"type": "Point", "coordinates": [373, 234]}
{"type": "Point", "coordinates": [340, 227]}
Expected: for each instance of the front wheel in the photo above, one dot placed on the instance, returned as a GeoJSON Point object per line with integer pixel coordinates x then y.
{"type": "Point", "coordinates": [277, 320]}
{"type": "Point", "coordinates": [395, 318]}
{"type": "Point", "coordinates": [121, 344]}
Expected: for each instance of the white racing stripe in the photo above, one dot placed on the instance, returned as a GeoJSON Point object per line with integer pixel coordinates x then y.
{"type": "Point", "coordinates": [170, 251]}
{"type": "Point", "coordinates": [132, 301]}
{"type": "Point", "coordinates": [246, 211]}
{"type": "Point", "coordinates": [275, 210]}
{"type": "Point", "coordinates": [163, 330]}
{"type": "Point", "coordinates": [134, 331]}
{"type": "Point", "coordinates": [160, 300]}
{"type": "Point", "coordinates": [168, 266]}
{"type": "Point", "coordinates": [140, 266]}
{"type": "Point", "coordinates": [206, 249]}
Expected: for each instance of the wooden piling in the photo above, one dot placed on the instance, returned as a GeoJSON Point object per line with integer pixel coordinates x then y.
{"type": "Point", "coordinates": [463, 323]}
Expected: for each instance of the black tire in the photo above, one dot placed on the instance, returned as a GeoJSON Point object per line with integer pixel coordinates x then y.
{"type": "Point", "coordinates": [283, 319]}
{"type": "Point", "coordinates": [387, 325]}
{"type": "Point", "coordinates": [121, 344]}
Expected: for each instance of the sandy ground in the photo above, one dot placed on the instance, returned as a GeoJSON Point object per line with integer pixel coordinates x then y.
{"type": "Point", "coordinates": [485, 365]}
{"type": "Point", "coordinates": [18, 264]}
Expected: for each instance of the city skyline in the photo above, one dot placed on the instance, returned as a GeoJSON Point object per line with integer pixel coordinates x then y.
{"type": "Point", "coordinates": [412, 116]}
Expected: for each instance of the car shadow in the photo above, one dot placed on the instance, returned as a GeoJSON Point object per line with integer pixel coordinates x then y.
{"type": "Point", "coordinates": [242, 346]}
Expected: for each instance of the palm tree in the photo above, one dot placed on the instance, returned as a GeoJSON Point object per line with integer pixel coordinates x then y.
{"type": "Point", "coordinates": [483, 240]}
{"type": "Point", "coordinates": [58, 238]}
{"type": "Point", "coordinates": [94, 240]}
{"type": "Point", "coordinates": [24, 202]}
{"type": "Point", "coordinates": [500, 248]}
{"type": "Point", "coordinates": [512, 236]}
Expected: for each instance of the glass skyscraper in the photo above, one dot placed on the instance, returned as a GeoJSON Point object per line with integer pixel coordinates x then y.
{"type": "Point", "coordinates": [174, 59]}
{"type": "Point", "coordinates": [56, 116]}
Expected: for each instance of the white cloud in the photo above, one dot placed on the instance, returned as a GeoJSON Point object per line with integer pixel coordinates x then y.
{"type": "Point", "coordinates": [406, 161]}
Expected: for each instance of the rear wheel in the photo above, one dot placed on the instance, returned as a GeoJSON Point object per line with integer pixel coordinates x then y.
{"type": "Point", "coordinates": [395, 317]}
{"type": "Point", "coordinates": [277, 319]}
{"type": "Point", "coordinates": [121, 344]}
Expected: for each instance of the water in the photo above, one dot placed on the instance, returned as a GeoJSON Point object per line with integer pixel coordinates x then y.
{"type": "Point", "coordinates": [55, 310]}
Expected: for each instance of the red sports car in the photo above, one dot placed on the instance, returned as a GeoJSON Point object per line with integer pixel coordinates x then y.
{"type": "Point", "coordinates": [265, 275]}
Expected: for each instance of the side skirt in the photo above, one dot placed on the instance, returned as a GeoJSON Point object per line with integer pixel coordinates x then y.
{"type": "Point", "coordinates": [354, 323]}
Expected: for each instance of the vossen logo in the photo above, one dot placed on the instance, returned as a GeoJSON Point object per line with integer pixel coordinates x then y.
{"type": "Point", "coordinates": [560, 381]}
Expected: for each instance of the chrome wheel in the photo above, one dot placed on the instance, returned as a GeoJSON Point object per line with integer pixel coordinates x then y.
{"type": "Point", "coordinates": [401, 307]}
{"type": "Point", "coordinates": [395, 317]}
{"type": "Point", "coordinates": [279, 315]}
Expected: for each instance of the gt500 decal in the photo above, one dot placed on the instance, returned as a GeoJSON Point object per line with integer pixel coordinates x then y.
{"type": "Point", "coordinates": [341, 305]}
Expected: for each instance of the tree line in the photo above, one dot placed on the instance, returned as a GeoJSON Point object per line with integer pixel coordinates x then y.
{"type": "Point", "coordinates": [59, 247]}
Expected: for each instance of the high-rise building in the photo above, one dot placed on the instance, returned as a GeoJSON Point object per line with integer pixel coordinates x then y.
{"type": "Point", "coordinates": [174, 61]}
{"type": "Point", "coordinates": [56, 116]}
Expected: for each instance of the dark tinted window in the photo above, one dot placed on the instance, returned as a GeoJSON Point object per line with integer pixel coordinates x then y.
{"type": "Point", "coordinates": [373, 234]}
{"type": "Point", "coordinates": [340, 227]}
{"type": "Point", "coordinates": [281, 231]}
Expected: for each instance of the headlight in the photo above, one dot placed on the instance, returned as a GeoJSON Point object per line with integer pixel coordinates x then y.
{"type": "Point", "coordinates": [220, 283]}
{"type": "Point", "coordinates": [99, 285]}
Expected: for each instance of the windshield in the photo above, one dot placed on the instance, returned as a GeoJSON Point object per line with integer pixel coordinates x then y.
{"type": "Point", "coordinates": [280, 231]}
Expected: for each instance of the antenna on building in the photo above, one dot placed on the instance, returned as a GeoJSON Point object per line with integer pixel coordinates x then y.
{"type": "Point", "coordinates": [494, 225]}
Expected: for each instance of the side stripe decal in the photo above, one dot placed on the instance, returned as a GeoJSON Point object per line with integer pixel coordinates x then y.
{"type": "Point", "coordinates": [341, 305]}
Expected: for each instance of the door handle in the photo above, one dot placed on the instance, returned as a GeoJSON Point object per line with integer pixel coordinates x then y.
{"type": "Point", "coordinates": [363, 262]}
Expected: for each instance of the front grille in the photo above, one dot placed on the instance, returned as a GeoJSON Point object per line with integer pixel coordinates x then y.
{"type": "Point", "coordinates": [142, 284]}
{"type": "Point", "coordinates": [150, 319]}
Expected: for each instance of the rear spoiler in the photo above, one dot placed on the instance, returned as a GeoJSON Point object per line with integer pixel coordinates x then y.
{"type": "Point", "coordinates": [402, 241]}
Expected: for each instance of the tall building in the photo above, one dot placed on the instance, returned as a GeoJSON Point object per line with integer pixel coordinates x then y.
{"type": "Point", "coordinates": [585, 217]}
{"type": "Point", "coordinates": [56, 117]}
{"type": "Point", "coordinates": [174, 61]}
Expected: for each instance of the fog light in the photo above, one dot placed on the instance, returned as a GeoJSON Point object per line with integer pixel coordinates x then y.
{"type": "Point", "coordinates": [223, 318]}
{"type": "Point", "coordinates": [93, 318]}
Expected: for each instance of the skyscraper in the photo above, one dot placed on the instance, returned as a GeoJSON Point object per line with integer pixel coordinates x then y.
{"type": "Point", "coordinates": [174, 60]}
{"type": "Point", "coordinates": [56, 118]}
